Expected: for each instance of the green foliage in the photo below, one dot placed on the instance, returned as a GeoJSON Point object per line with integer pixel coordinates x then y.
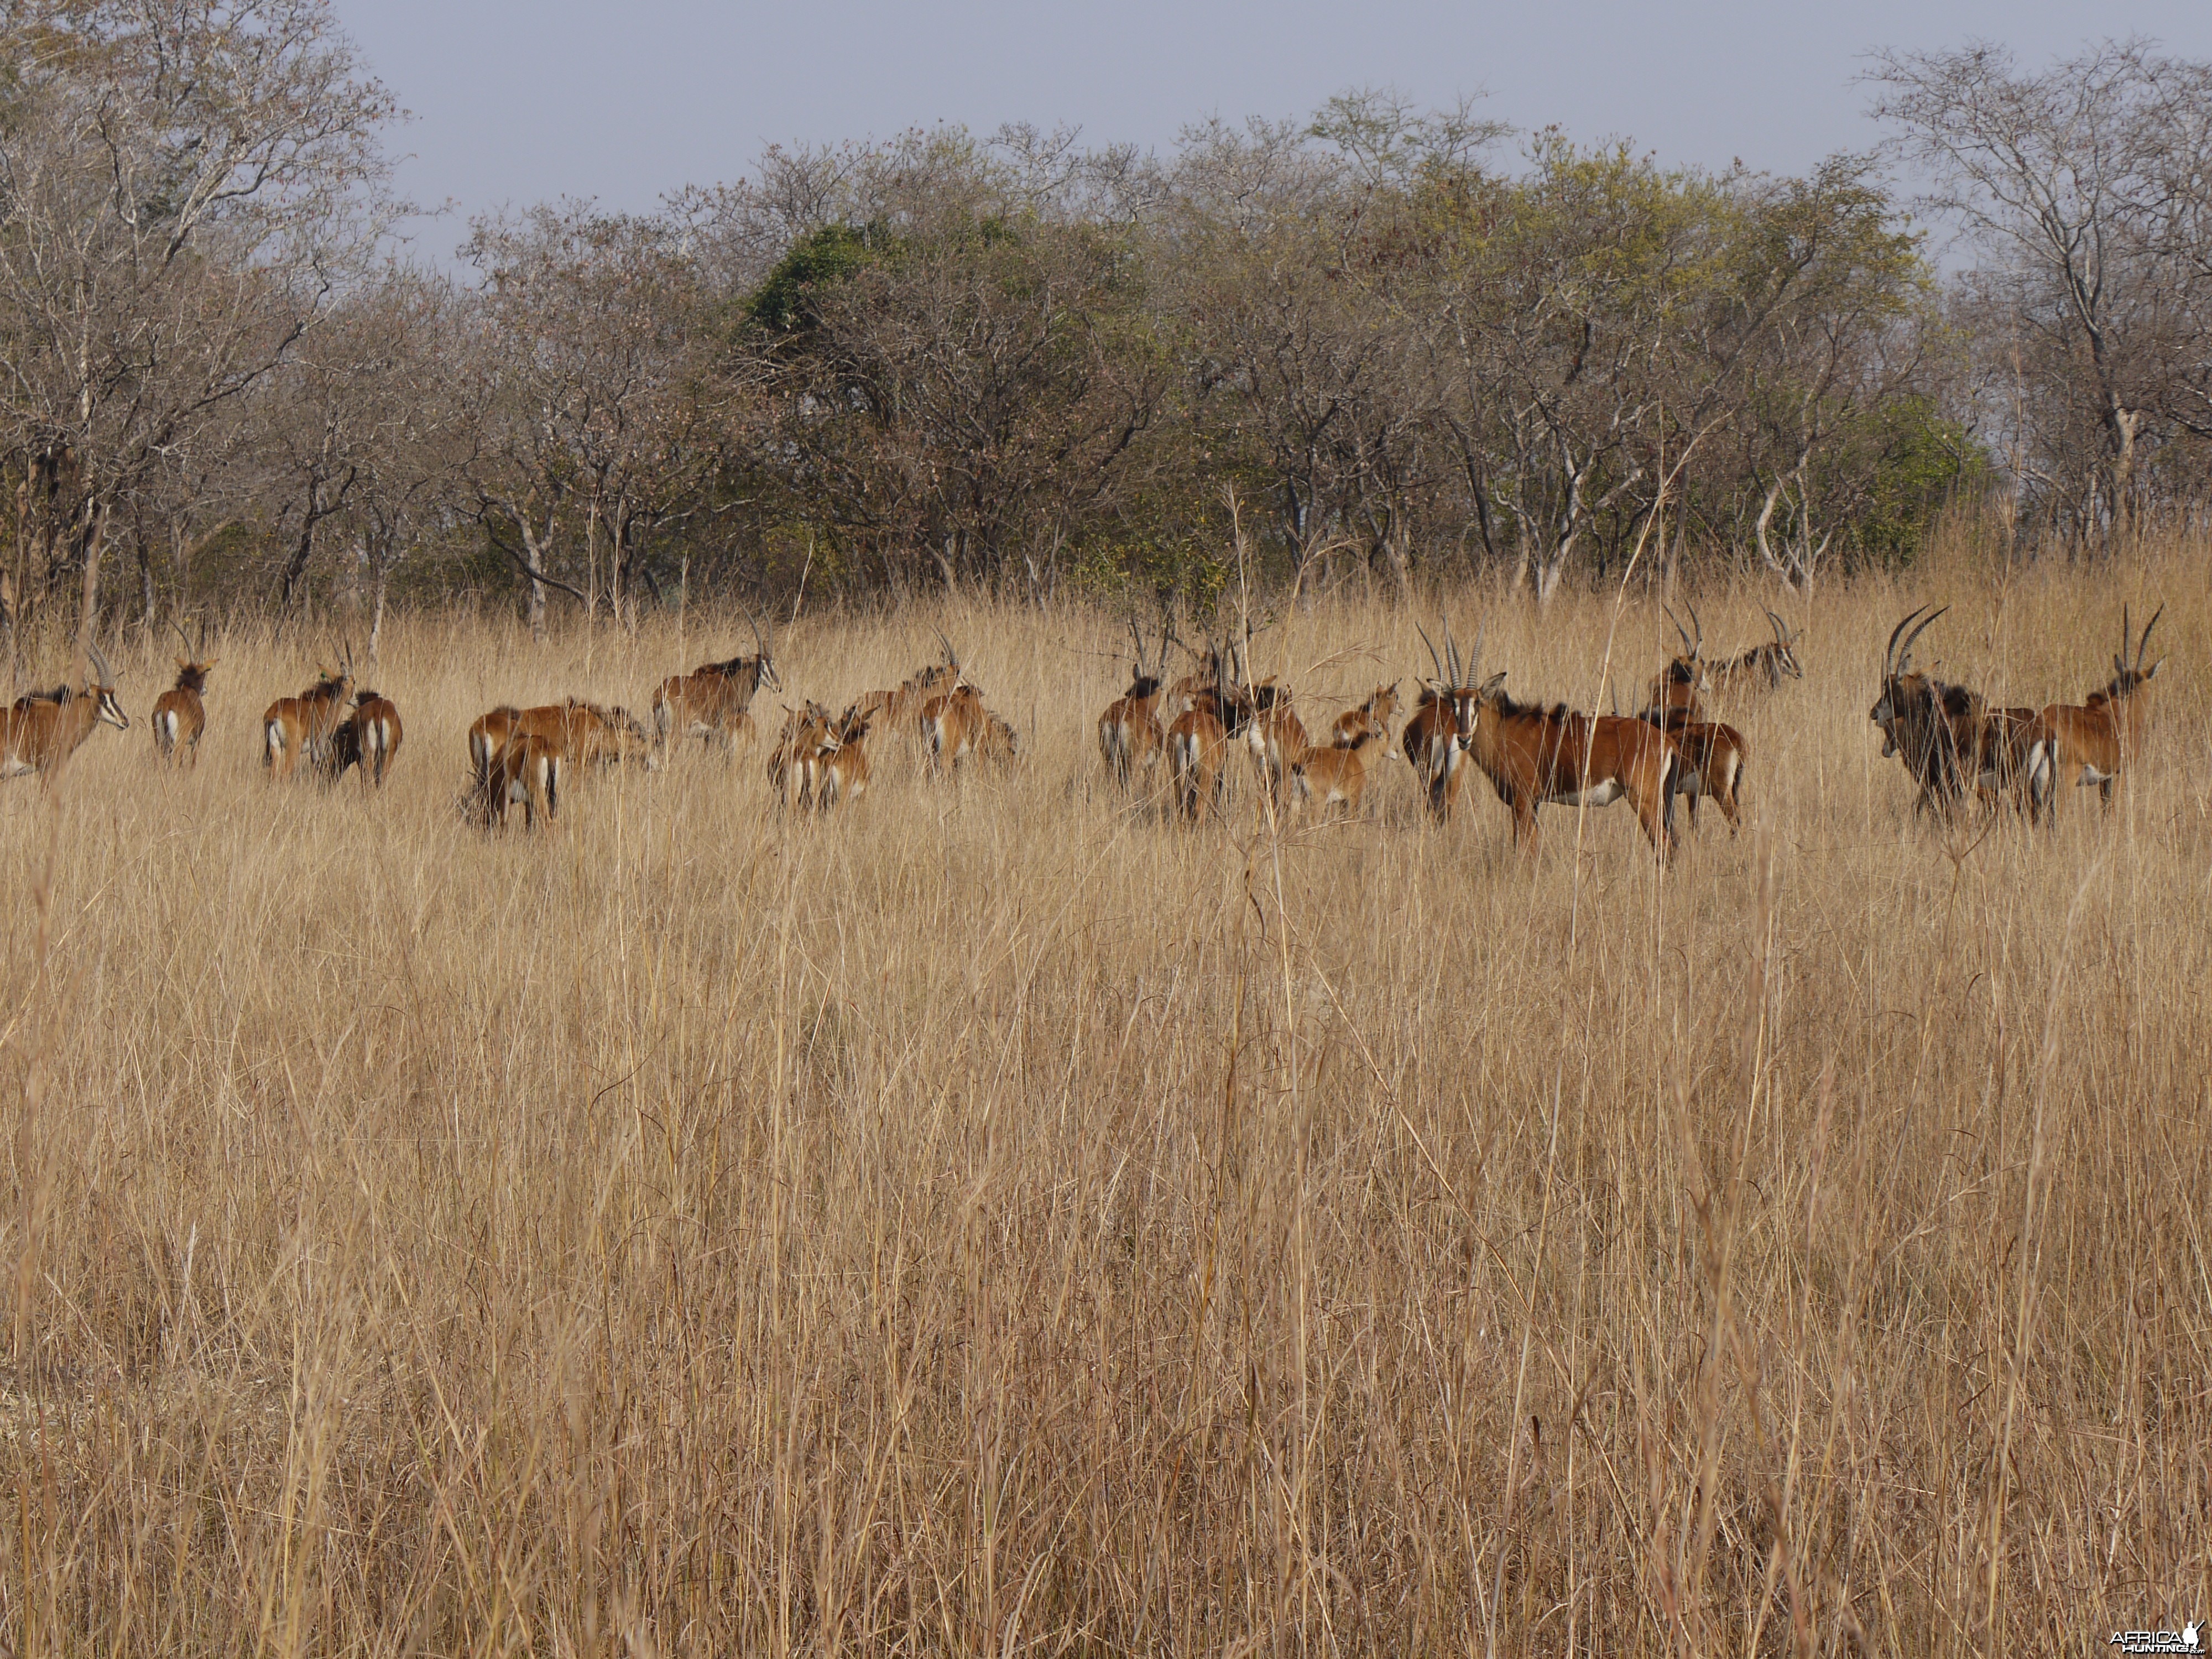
{"type": "Point", "coordinates": [1911, 462]}
{"type": "Point", "coordinates": [833, 254]}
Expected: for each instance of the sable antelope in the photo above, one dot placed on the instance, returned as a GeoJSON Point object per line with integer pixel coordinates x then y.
{"type": "Point", "coordinates": [1710, 762]}
{"type": "Point", "coordinates": [525, 772]}
{"type": "Point", "coordinates": [179, 717]}
{"type": "Point", "coordinates": [2092, 741]}
{"type": "Point", "coordinates": [1372, 717]}
{"type": "Point", "coordinates": [1429, 735]}
{"type": "Point", "coordinates": [1336, 775]}
{"type": "Point", "coordinates": [837, 765]}
{"type": "Point", "coordinates": [296, 727]}
{"type": "Point", "coordinates": [583, 732]}
{"type": "Point", "coordinates": [40, 732]}
{"type": "Point", "coordinates": [716, 699]}
{"type": "Point", "coordinates": [1212, 672]}
{"type": "Point", "coordinates": [1678, 688]}
{"type": "Point", "coordinates": [1933, 727]}
{"type": "Point", "coordinates": [900, 707]}
{"type": "Point", "coordinates": [1762, 668]}
{"type": "Point", "coordinates": [1198, 739]}
{"type": "Point", "coordinates": [1533, 754]}
{"type": "Point", "coordinates": [952, 722]}
{"type": "Point", "coordinates": [1276, 734]}
{"type": "Point", "coordinates": [1129, 735]}
{"type": "Point", "coordinates": [368, 738]}
{"type": "Point", "coordinates": [1001, 744]}
{"type": "Point", "coordinates": [487, 735]}
{"type": "Point", "coordinates": [803, 730]}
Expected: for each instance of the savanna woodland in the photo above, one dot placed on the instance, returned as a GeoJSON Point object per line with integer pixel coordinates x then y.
{"type": "Point", "coordinates": [924, 1184]}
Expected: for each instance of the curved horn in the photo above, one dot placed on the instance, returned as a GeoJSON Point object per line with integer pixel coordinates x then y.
{"type": "Point", "coordinates": [952, 656]}
{"type": "Point", "coordinates": [191, 653]}
{"type": "Point", "coordinates": [2143, 644]}
{"type": "Point", "coordinates": [1435, 661]}
{"type": "Point", "coordinates": [1781, 628]}
{"type": "Point", "coordinates": [1905, 652]}
{"type": "Point", "coordinates": [759, 646]}
{"type": "Point", "coordinates": [1451, 656]}
{"type": "Point", "coordinates": [1699, 643]}
{"type": "Point", "coordinates": [1889, 655]}
{"type": "Point", "coordinates": [1474, 662]}
{"type": "Point", "coordinates": [99, 661]}
{"type": "Point", "coordinates": [1688, 644]}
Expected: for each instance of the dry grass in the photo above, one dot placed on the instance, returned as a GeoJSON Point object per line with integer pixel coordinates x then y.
{"type": "Point", "coordinates": [997, 1221]}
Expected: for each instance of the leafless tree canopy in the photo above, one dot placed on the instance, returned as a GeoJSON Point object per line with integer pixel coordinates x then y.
{"type": "Point", "coordinates": [1399, 340]}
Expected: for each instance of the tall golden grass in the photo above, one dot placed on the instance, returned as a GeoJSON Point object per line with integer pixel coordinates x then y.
{"type": "Point", "coordinates": [999, 1220]}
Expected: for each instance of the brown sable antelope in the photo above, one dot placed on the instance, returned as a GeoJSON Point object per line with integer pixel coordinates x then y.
{"type": "Point", "coordinates": [1761, 669]}
{"type": "Point", "coordinates": [837, 765]}
{"type": "Point", "coordinates": [583, 732]}
{"type": "Point", "coordinates": [1533, 754]}
{"type": "Point", "coordinates": [1372, 717]}
{"type": "Point", "coordinates": [804, 729]}
{"type": "Point", "coordinates": [487, 735]}
{"type": "Point", "coordinates": [1335, 776]}
{"type": "Point", "coordinates": [1129, 735]}
{"type": "Point", "coordinates": [1679, 688]}
{"type": "Point", "coordinates": [179, 717]}
{"type": "Point", "coordinates": [525, 772]}
{"type": "Point", "coordinates": [40, 733]}
{"type": "Point", "coordinates": [1277, 736]}
{"type": "Point", "coordinates": [716, 699]}
{"type": "Point", "coordinates": [1711, 763]}
{"type": "Point", "coordinates": [368, 738]}
{"type": "Point", "coordinates": [1001, 744]}
{"type": "Point", "coordinates": [2091, 742]}
{"type": "Point", "coordinates": [1198, 738]}
{"type": "Point", "coordinates": [299, 727]}
{"type": "Point", "coordinates": [1933, 728]}
{"type": "Point", "coordinates": [952, 722]}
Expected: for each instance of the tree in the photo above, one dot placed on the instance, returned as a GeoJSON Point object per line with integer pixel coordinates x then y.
{"type": "Point", "coordinates": [180, 184]}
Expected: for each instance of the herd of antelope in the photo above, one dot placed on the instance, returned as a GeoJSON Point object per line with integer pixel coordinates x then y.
{"type": "Point", "coordinates": [1531, 753]}
{"type": "Point", "coordinates": [1948, 738]}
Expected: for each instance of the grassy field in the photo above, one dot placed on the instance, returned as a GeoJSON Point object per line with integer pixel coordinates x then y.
{"type": "Point", "coordinates": [999, 1220]}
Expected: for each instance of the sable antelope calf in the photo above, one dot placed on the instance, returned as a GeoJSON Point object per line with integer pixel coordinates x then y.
{"type": "Point", "coordinates": [1532, 756]}
{"type": "Point", "coordinates": [525, 772]}
{"type": "Point", "coordinates": [2091, 741]}
{"type": "Point", "coordinates": [40, 733]}
{"type": "Point", "coordinates": [1371, 718]}
{"type": "Point", "coordinates": [301, 726]}
{"type": "Point", "coordinates": [1335, 776]}
{"type": "Point", "coordinates": [1129, 735]}
{"type": "Point", "coordinates": [369, 738]}
{"type": "Point", "coordinates": [1761, 669]}
{"type": "Point", "coordinates": [716, 699]}
{"type": "Point", "coordinates": [179, 717]}
{"type": "Point", "coordinates": [837, 765]}
{"type": "Point", "coordinates": [1001, 744]}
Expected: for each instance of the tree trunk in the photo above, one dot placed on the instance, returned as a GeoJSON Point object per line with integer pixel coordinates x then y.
{"type": "Point", "coordinates": [87, 616]}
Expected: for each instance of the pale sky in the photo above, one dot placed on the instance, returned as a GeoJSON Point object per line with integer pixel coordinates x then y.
{"type": "Point", "coordinates": [518, 100]}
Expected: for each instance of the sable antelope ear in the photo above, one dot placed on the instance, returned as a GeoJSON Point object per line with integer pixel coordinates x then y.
{"type": "Point", "coordinates": [182, 663]}
{"type": "Point", "coordinates": [1492, 686]}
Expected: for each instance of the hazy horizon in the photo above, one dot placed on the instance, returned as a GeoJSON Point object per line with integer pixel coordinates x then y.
{"type": "Point", "coordinates": [684, 92]}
